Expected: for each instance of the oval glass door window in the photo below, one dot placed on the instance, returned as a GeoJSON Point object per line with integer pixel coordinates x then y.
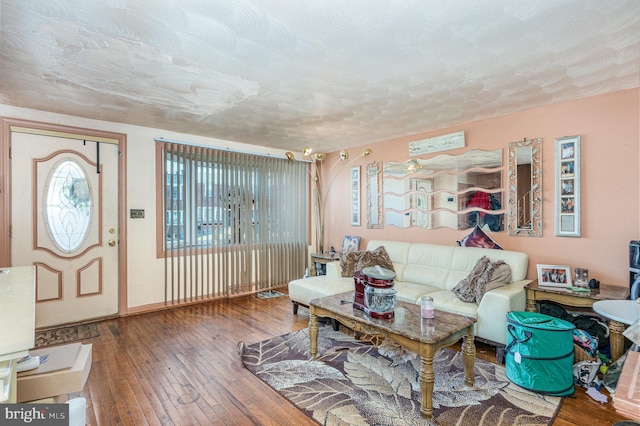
{"type": "Point", "coordinates": [68, 205]}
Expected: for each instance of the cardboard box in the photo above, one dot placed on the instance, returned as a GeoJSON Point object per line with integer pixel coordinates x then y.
{"type": "Point", "coordinates": [35, 386]}
{"type": "Point", "coordinates": [626, 399]}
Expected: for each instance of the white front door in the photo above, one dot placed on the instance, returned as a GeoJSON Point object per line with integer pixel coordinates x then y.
{"type": "Point", "coordinates": [64, 207]}
{"type": "Point", "coordinates": [421, 202]}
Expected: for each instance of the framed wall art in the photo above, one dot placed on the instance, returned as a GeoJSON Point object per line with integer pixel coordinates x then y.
{"type": "Point", "coordinates": [355, 196]}
{"type": "Point", "coordinates": [568, 186]}
{"type": "Point", "coordinates": [350, 243]}
{"type": "Point", "coordinates": [437, 144]}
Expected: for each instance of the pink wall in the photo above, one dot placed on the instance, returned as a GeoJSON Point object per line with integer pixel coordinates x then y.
{"type": "Point", "coordinates": [609, 127]}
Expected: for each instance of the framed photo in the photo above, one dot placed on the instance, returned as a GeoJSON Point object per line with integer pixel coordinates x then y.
{"type": "Point", "coordinates": [437, 144]}
{"type": "Point", "coordinates": [350, 243]}
{"type": "Point", "coordinates": [554, 276]}
{"type": "Point", "coordinates": [355, 196]}
{"type": "Point", "coordinates": [567, 212]}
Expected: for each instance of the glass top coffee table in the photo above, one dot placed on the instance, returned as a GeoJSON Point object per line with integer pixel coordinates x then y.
{"type": "Point", "coordinates": [408, 329]}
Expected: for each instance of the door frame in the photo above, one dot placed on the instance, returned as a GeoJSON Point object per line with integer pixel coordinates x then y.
{"type": "Point", "coordinates": [6, 126]}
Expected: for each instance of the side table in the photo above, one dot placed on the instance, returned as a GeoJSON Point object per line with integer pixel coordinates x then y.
{"type": "Point", "coordinates": [537, 293]}
{"type": "Point", "coordinates": [322, 259]}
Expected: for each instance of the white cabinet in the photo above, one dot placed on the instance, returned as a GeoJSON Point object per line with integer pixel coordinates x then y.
{"type": "Point", "coordinates": [17, 324]}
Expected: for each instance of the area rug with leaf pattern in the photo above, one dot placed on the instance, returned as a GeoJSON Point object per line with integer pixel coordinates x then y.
{"type": "Point", "coordinates": [376, 382]}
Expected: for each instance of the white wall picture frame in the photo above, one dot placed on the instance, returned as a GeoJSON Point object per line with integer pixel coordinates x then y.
{"type": "Point", "coordinates": [567, 206]}
{"type": "Point", "coordinates": [355, 196]}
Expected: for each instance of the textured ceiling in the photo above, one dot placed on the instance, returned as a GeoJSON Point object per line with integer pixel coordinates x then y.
{"type": "Point", "coordinates": [326, 73]}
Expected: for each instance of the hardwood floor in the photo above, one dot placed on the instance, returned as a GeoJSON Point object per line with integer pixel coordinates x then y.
{"type": "Point", "coordinates": [181, 367]}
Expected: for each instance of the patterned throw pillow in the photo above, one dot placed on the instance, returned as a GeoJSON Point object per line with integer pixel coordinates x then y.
{"type": "Point", "coordinates": [378, 256]}
{"type": "Point", "coordinates": [348, 261]}
{"type": "Point", "coordinates": [465, 290]}
{"type": "Point", "coordinates": [356, 260]}
{"type": "Point", "coordinates": [478, 238]}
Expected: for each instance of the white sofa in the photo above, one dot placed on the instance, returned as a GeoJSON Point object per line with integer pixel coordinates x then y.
{"type": "Point", "coordinates": [434, 270]}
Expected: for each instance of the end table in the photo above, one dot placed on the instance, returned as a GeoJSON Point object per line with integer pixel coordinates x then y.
{"type": "Point", "coordinates": [322, 259]}
{"type": "Point", "coordinates": [564, 296]}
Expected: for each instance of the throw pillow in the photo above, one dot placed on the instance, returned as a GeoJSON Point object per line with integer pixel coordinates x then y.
{"type": "Point", "coordinates": [478, 238]}
{"type": "Point", "coordinates": [465, 290]}
{"type": "Point", "coordinates": [348, 262]}
{"type": "Point", "coordinates": [484, 276]}
{"type": "Point", "coordinates": [378, 256]}
{"type": "Point", "coordinates": [495, 275]}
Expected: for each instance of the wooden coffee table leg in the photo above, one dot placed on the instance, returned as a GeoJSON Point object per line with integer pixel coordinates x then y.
{"type": "Point", "coordinates": [313, 332]}
{"type": "Point", "coordinates": [427, 380]}
{"type": "Point", "coordinates": [469, 354]}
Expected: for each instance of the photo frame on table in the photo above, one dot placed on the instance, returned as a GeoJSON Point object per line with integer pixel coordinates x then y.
{"type": "Point", "coordinates": [350, 243]}
{"type": "Point", "coordinates": [554, 276]}
{"type": "Point", "coordinates": [568, 186]}
{"type": "Point", "coordinates": [355, 196]}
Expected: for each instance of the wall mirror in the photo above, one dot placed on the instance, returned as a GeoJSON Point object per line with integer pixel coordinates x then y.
{"type": "Point", "coordinates": [454, 191]}
{"type": "Point", "coordinates": [524, 175]}
{"type": "Point", "coordinates": [374, 195]}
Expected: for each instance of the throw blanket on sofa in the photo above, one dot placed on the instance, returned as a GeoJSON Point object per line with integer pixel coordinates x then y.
{"type": "Point", "coordinates": [485, 276]}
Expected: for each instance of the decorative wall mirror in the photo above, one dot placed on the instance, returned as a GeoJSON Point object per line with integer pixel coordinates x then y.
{"type": "Point", "coordinates": [374, 195]}
{"type": "Point", "coordinates": [524, 213]}
{"type": "Point", "coordinates": [454, 191]}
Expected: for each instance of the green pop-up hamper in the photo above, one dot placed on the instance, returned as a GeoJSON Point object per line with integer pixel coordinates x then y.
{"type": "Point", "coordinates": [539, 353]}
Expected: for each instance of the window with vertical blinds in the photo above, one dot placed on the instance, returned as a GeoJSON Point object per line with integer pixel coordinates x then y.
{"type": "Point", "coordinates": [234, 222]}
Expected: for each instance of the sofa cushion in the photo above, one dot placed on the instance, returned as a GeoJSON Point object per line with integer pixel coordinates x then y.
{"type": "Point", "coordinates": [305, 289]}
{"type": "Point", "coordinates": [447, 301]}
{"type": "Point", "coordinates": [429, 264]}
{"type": "Point", "coordinates": [478, 238]}
{"type": "Point", "coordinates": [411, 292]}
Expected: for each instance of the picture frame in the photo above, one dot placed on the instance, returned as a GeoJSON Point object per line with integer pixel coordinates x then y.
{"type": "Point", "coordinates": [437, 144]}
{"type": "Point", "coordinates": [554, 276]}
{"type": "Point", "coordinates": [350, 243]}
{"type": "Point", "coordinates": [355, 196]}
{"type": "Point", "coordinates": [567, 186]}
